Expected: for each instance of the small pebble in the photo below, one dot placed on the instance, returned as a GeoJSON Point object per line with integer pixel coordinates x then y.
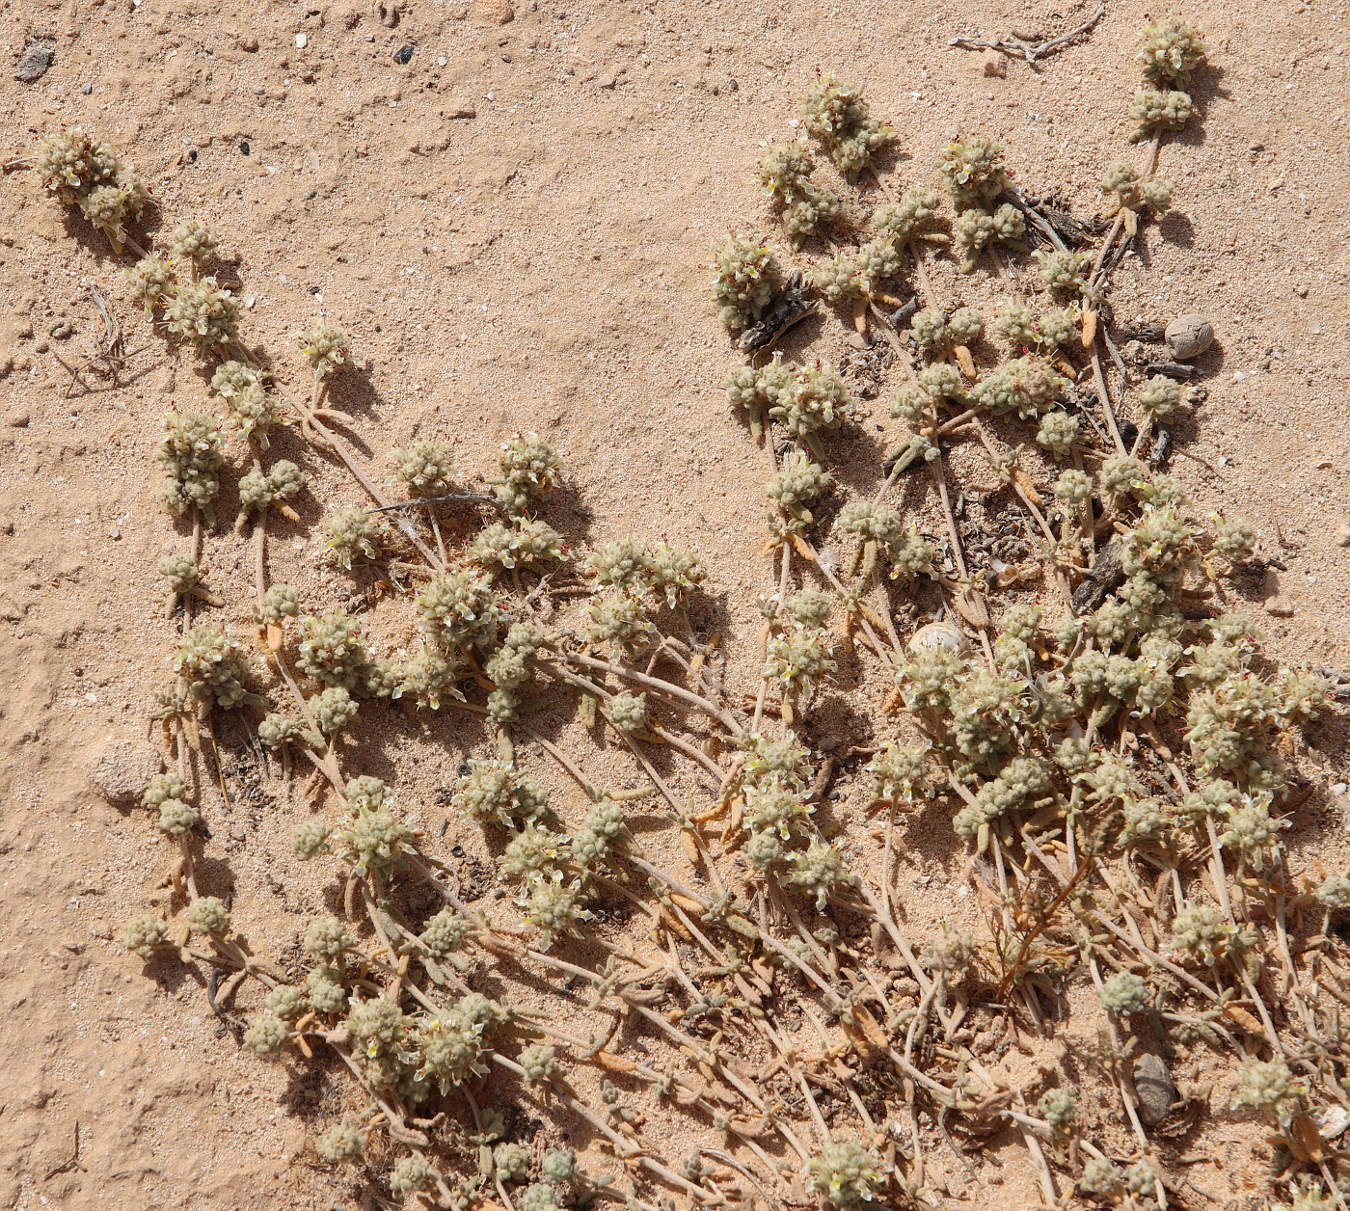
{"type": "Point", "coordinates": [404, 54]}
{"type": "Point", "coordinates": [1342, 535]}
{"type": "Point", "coordinates": [244, 148]}
{"type": "Point", "coordinates": [301, 41]}
{"type": "Point", "coordinates": [994, 64]}
{"type": "Point", "coordinates": [1188, 336]}
{"type": "Point", "coordinates": [86, 88]}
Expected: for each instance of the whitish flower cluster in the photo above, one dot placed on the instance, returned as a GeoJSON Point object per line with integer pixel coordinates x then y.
{"type": "Point", "coordinates": [899, 772]}
{"type": "Point", "coordinates": [836, 114]}
{"type": "Point", "coordinates": [745, 278]}
{"type": "Point", "coordinates": [846, 1175]}
{"type": "Point", "coordinates": [193, 241]}
{"type": "Point", "coordinates": [817, 870]}
{"type": "Point", "coordinates": [1270, 1087]}
{"type": "Point", "coordinates": [1171, 51]}
{"type": "Point", "coordinates": [784, 171]}
{"type": "Point", "coordinates": [260, 489]}
{"type": "Point", "coordinates": [215, 667]}
{"type": "Point", "coordinates": [1158, 109]}
{"type": "Point", "coordinates": [976, 229]}
{"type": "Point", "coordinates": [372, 838]}
{"type": "Point", "coordinates": [151, 280]}
{"type": "Point", "coordinates": [974, 171]}
{"type": "Point", "coordinates": [166, 795]}
{"type": "Point", "coordinates": [525, 543]}
{"type": "Point", "coordinates": [936, 332]}
{"type": "Point", "coordinates": [493, 791]}
{"type": "Point", "coordinates": [459, 609]}
{"type": "Point", "coordinates": [860, 273]}
{"type": "Point", "coordinates": [666, 571]}
{"type": "Point", "coordinates": [1124, 993]}
{"type": "Point", "coordinates": [1121, 182]}
{"type": "Point", "coordinates": [914, 211]}
{"type": "Point", "coordinates": [208, 914]}
{"type": "Point", "coordinates": [332, 709]}
{"type": "Point", "coordinates": [1061, 271]}
{"type": "Point", "coordinates": [332, 652]}
{"type": "Point", "coordinates": [908, 552]}
{"type": "Point", "coordinates": [325, 346]}
{"type": "Point", "coordinates": [424, 468]}
{"type": "Point", "coordinates": [191, 459]}
{"type": "Point", "coordinates": [341, 1144]}
{"type": "Point", "coordinates": [1026, 385]}
{"type": "Point", "coordinates": [797, 486]}
{"type": "Point", "coordinates": [529, 467]}
{"type": "Point", "coordinates": [90, 176]}
{"type": "Point", "coordinates": [805, 400]}
{"type": "Point", "coordinates": [1057, 433]}
{"type": "Point", "coordinates": [279, 602]}
{"type": "Point", "coordinates": [205, 313]}
{"type": "Point", "coordinates": [351, 533]}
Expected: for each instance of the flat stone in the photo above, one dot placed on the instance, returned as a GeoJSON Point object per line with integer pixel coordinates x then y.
{"type": "Point", "coordinates": [1342, 535]}
{"type": "Point", "coordinates": [1154, 1088]}
{"type": "Point", "coordinates": [122, 768]}
{"type": "Point", "coordinates": [994, 64]}
{"type": "Point", "coordinates": [36, 62]}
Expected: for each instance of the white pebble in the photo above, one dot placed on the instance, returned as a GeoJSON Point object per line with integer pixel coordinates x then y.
{"type": "Point", "coordinates": [301, 41]}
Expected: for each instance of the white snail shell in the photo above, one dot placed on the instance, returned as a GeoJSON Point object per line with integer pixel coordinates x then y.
{"type": "Point", "coordinates": [944, 636]}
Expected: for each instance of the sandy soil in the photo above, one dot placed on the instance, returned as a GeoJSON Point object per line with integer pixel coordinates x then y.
{"type": "Point", "coordinates": [513, 226]}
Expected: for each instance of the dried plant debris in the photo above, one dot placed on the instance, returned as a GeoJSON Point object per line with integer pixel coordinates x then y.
{"type": "Point", "coordinates": [1113, 753]}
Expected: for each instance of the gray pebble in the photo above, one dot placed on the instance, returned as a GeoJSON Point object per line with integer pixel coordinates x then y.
{"type": "Point", "coordinates": [86, 88]}
{"type": "Point", "coordinates": [1189, 336]}
{"type": "Point", "coordinates": [36, 62]}
{"type": "Point", "coordinates": [1154, 1088]}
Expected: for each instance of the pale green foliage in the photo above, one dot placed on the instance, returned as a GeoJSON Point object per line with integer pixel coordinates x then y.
{"type": "Point", "coordinates": [527, 543]}
{"type": "Point", "coordinates": [1171, 50]}
{"type": "Point", "coordinates": [193, 241]}
{"type": "Point", "coordinates": [191, 459]}
{"type": "Point", "coordinates": [151, 281]}
{"type": "Point", "coordinates": [332, 709]}
{"type": "Point", "coordinates": [411, 1175]}
{"type": "Point", "coordinates": [1270, 1087]}
{"type": "Point", "coordinates": [529, 468]}
{"type": "Point", "coordinates": [1026, 385]}
{"type": "Point", "coordinates": [914, 211]}
{"type": "Point", "coordinates": [845, 1174]}
{"type": "Point", "coordinates": [1061, 272]}
{"type": "Point", "coordinates": [204, 313]}
{"type": "Point", "coordinates": [278, 603]}
{"type": "Point", "coordinates": [444, 934]}
{"type": "Point", "coordinates": [424, 468]}
{"type": "Point", "coordinates": [975, 230]}
{"type": "Point", "coordinates": [342, 1143]}
{"type": "Point", "coordinates": [1156, 109]}
{"type": "Point", "coordinates": [798, 485]}
{"type": "Point", "coordinates": [899, 772]}
{"type": "Point", "coordinates": [1124, 993]}
{"type": "Point", "coordinates": [324, 346]}
{"type": "Point", "coordinates": [974, 171]}
{"type": "Point", "coordinates": [627, 712]}
{"type": "Point", "coordinates": [836, 114]}
{"type": "Point", "coordinates": [351, 533]}
{"type": "Point", "coordinates": [208, 914]}
{"type": "Point", "coordinates": [1058, 1110]}
{"type": "Point", "coordinates": [90, 176]}
{"type": "Point", "coordinates": [259, 489]}
{"type": "Point", "coordinates": [784, 172]}
{"type": "Point", "coordinates": [1057, 433]}
{"type": "Point", "coordinates": [214, 666]}
{"type": "Point", "coordinates": [495, 791]}
{"type": "Point", "coordinates": [746, 276]}
{"type": "Point", "coordinates": [860, 273]}
{"type": "Point", "coordinates": [816, 870]}
{"type": "Point", "coordinates": [266, 1035]}
{"type": "Point", "coordinates": [146, 936]}
{"type": "Point", "coordinates": [459, 609]}
{"type": "Point", "coordinates": [1159, 397]}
